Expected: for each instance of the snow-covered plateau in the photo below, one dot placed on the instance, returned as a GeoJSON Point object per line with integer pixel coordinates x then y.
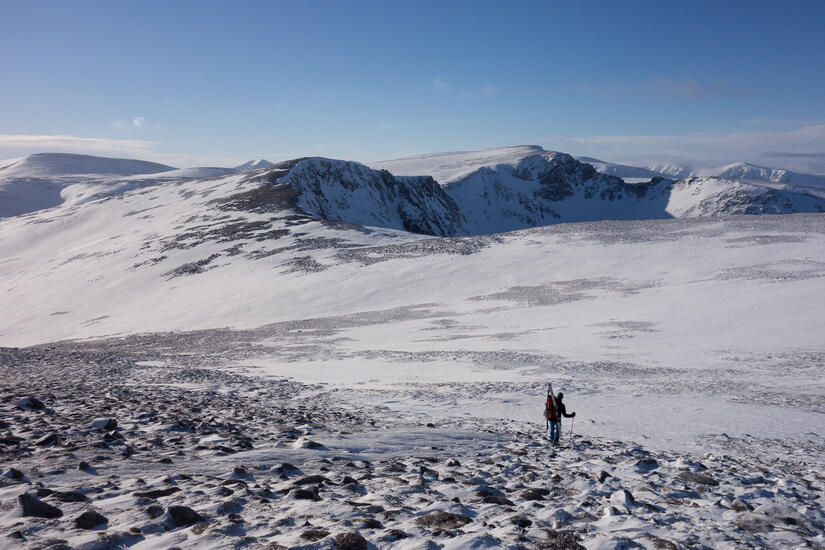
{"type": "Point", "coordinates": [321, 354]}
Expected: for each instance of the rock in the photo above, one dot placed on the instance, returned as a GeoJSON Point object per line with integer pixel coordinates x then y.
{"type": "Point", "coordinates": [534, 493]}
{"type": "Point", "coordinates": [83, 465]}
{"type": "Point", "coordinates": [307, 494]}
{"type": "Point", "coordinates": [29, 403]}
{"type": "Point", "coordinates": [157, 493]}
{"type": "Point", "coordinates": [304, 443]}
{"type": "Point", "coordinates": [287, 468]}
{"type": "Point", "coordinates": [497, 499]}
{"type": "Point", "coordinates": [603, 475]}
{"type": "Point", "coordinates": [442, 520]}
{"type": "Point", "coordinates": [393, 535]}
{"type": "Point", "coordinates": [372, 523]}
{"type": "Point", "coordinates": [740, 505]}
{"type": "Point", "coordinates": [314, 535]}
{"type": "Point", "coordinates": [89, 520]}
{"type": "Point", "coordinates": [154, 511]}
{"type": "Point", "coordinates": [753, 523]}
{"type": "Point", "coordinates": [350, 541]}
{"type": "Point", "coordinates": [50, 439]}
{"type": "Point", "coordinates": [15, 474]}
{"type": "Point", "coordinates": [103, 424]}
{"type": "Point", "coordinates": [559, 541]}
{"type": "Point", "coordinates": [521, 521]}
{"type": "Point", "coordinates": [645, 465]}
{"type": "Point", "coordinates": [199, 528]}
{"type": "Point", "coordinates": [313, 479]}
{"type": "Point", "coordinates": [782, 512]}
{"type": "Point", "coordinates": [183, 515]}
{"type": "Point", "coordinates": [624, 498]}
{"type": "Point", "coordinates": [34, 507]}
{"type": "Point", "coordinates": [69, 496]}
{"type": "Point", "coordinates": [700, 479]}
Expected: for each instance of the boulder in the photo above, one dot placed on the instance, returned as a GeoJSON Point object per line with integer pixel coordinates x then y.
{"type": "Point", "coordinates": [34, 507]}
{"type": "Point", "coordinates": [442, 520]}
{"type": "Point", "coordinates": [180, 516]}
{"type": "Point", "coordinates": [699, 479]}
{"type": "Point", "coordinates": [29, 403]}
{"type": "Point", "coordinates": [89, 520]}
{"type": "Point", "coordinates": [104, 423]}
{"type": "Point", "coordinates": [350, 541]}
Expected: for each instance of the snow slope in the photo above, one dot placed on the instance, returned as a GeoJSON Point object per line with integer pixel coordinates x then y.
{"type": "Point", "coordinates": [224, 296]}
{"type": "Point", "coordinates": [689, 297]}
{"type": "Point", "coordinates": [41, 165]}
{"type": "Point", "coordinates": [39, 181]}
{"type": "Point", "coordinates": [627, 173]}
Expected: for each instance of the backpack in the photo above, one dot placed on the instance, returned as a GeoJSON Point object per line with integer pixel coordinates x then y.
{"type": "Point", "coordinates": [550, 409]}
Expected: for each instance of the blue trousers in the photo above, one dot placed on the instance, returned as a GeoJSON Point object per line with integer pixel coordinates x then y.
{"type": "Point", "coordinates": [555, 430]}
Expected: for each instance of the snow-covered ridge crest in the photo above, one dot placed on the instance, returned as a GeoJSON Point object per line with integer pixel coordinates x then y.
{"type": "Point", "coordinates": [256, 164]}
{"type": "Point", "coordinates": [64, 164]}
{"type": "Point", "coordinates": [352, 192]}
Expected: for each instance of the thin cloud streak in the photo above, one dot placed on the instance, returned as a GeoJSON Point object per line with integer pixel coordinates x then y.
{"type": "Point", "coordinates": [712, 148]}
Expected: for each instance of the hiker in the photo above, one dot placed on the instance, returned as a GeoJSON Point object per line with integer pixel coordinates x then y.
{"type": "Point", "coordinates": [554, 411]}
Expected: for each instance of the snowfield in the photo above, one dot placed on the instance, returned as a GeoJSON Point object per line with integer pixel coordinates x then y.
{"type": "Point", "coordinates": [268, 359]}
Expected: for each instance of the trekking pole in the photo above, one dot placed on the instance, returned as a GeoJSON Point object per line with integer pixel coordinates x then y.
{"type": "Point", "coordinates": [571, 428]}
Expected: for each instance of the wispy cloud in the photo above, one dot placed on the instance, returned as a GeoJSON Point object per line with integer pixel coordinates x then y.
{"type": "Point", "coordinates": [440, 84]}
{"type": "Point", "coordinates": [13, 145]}
{"type": "Point", "coordinates": [138, 121]}
{"type": "Point", "coordinates": [707, 147]}
{"type": "Point", "coordinates": [789, 155]}
{"type": "Point", "coordinates": [666, 87]}
{"type": "Point", "coordinates": [18, 145]}
{"type": "Point", "coordinates": [118, 124]}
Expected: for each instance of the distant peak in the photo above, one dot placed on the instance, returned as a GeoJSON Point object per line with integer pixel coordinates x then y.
{"type": "Point", "coordinates": [254, 165]}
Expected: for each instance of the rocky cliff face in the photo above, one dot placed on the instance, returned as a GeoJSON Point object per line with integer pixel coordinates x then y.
{"type": "Point", "coordinates": [352, 192]}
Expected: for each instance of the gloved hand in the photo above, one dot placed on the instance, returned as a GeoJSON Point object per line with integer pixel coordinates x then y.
{"type": "Point", "coordinates": [572, 415]}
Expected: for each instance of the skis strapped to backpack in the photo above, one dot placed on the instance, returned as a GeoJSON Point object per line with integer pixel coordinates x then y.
{"type": "Point", "coordinates": [550, 412]}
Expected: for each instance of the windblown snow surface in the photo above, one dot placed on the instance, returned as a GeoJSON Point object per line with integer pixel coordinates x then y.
{"type": "Point", "coordinates": [209, 363]}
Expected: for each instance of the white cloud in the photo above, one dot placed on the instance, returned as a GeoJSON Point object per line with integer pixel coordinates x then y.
{"type": "Point", "coordinates": [138, 121]}
{"type": "Point", "coordinates": [441, 85]}
{"type": "Point", "coordinates": [13, 145]}
{"type": "Point", "coordinates": [118, 124]}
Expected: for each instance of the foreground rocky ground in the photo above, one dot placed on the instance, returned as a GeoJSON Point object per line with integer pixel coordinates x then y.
{"type": "Point", "coordinates": [103, 448]}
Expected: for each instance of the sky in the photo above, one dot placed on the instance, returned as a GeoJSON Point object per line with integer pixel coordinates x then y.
{"type": "Point", "coordinates": [218, 83]}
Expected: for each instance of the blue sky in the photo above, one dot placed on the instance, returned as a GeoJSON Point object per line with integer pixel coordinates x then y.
{"type": "Point", "coordinates": [219, 82]}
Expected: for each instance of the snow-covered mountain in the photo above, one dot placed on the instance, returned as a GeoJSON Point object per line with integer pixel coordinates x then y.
{"type": "Point", "coordinates": [39, 181]}
{"type": "Point", "coordinates": [480, 192]}
{"type": "Point", "coordinates": [253, 165]}
{"type": "Point", "coordinates": [742, 171]}
{"type": "Point", "coordinates": [352, 192]}
{"type": "Point", "coordinates": [45, 180]}
{"type": "Point", "coordinates": [624, 171]}
{"type": "Point", "coordinates": [519, 187]}
{"type": "Point", "coordinates": [41, 165]}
